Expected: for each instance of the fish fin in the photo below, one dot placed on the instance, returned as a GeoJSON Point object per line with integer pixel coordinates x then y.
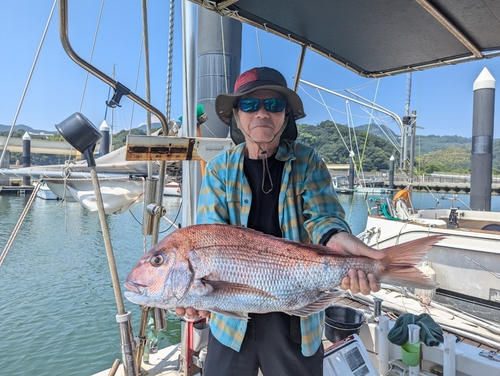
{"type": "Point", "coordinates": [323, 302]}
{"type": "Point", "coordinates": [399, 266]}
{"type": "Point", "coordinates": [237, 288]}
{"type": "Point", "coordinates": [234, 315]}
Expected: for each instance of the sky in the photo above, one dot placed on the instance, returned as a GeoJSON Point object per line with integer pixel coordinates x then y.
{"type": "Point", "coordinates": [442, 97]}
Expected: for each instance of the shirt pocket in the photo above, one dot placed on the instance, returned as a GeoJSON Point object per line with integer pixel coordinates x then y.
{"type": "Point", "coordinates": [237, 208]}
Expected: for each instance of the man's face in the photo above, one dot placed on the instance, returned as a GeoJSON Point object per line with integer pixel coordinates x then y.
{"type": "Point", "coordinates": [262, 125]}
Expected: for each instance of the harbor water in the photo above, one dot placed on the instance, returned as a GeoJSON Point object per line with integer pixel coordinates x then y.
{"type": "Point", "coordinates": [57, 303]}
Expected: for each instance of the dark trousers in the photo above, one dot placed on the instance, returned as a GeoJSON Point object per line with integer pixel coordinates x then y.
{"type": "Point", "coordinates": [271, 343]}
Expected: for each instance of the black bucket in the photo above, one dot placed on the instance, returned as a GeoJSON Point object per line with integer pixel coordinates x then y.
{"type": "Point", "coordinates": [341, 322]}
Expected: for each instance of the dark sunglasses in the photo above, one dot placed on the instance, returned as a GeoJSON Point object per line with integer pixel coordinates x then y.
{"type": "Point", "coordinates": [270, 104]}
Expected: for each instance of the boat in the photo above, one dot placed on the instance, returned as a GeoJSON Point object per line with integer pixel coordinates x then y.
{"type": "Point", "coordinates": [470, 246]}
{"type": "Point", "coordinates": [172, 189]}
{"type": "Point", "coordinates": [341, 184]}
{"type": "Point", "coordinates": [121, 181]}
{"type": "Point", "coordinates": [443, 38]}
{"type": "Point", "coordinates": [45, 193]}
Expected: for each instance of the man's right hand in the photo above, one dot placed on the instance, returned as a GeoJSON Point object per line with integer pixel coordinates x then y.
{"type": "Point", "coordinates": [191, 313]}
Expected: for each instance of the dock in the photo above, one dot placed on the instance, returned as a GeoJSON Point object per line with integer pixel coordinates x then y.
{"type": "Point", "coordinates": [19, 190]}
{"type": "Point", "coordinates": [443, 187]}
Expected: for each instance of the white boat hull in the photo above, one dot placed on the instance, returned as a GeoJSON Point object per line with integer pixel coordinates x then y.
{"type": "Point", "coordinates": [466, 262]}
{"type": "Point", "coordinates": [172, 189]}
{"type": "Point", "coordinates": [45, 193]}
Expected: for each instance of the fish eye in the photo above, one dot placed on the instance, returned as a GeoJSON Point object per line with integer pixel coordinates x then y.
{"type": "Point", "coordinates": [156, 260]}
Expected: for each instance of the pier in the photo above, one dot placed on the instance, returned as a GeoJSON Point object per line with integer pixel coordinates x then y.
{"type": "Point", "coordinates": [442, 187]}
{"type": "Point", "coordinates": [436, 183]}
{"type": "Point", "coordinates": [19, 190]}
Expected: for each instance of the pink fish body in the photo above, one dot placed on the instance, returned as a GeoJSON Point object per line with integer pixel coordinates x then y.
{"type": "Point", "coordinates": [231, 270]}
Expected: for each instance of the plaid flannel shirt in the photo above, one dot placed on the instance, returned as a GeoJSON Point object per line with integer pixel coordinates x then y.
{"type": "Point", "coordinates": [308, 209]}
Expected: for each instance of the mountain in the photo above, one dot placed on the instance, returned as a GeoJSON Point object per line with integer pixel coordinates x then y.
{"type": "Point", "coordinates": [382, 131]}
{"type": "Point", "coordinates": [22, 127]}
{"type": "Point", "coordinates": [423, 144]}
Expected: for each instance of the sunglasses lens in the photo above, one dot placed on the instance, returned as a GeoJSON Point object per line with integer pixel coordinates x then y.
{"type": "Point", "coordinates": [249, 104]}
{"type": "Point", "coordinates": [274, 104]}
{"type": "Point", "coordinates": [270, 104]}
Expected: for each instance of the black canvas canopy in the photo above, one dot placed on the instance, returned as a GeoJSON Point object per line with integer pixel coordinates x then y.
{"type": "Point", "coordinates": [378, 37]}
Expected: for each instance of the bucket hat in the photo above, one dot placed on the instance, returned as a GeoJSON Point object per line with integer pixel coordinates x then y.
{"type": "Point", "coordinates": [262, 78]}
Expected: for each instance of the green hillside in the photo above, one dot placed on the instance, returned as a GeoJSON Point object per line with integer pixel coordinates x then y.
{"type": "Point", "coordinates": [432, 153]}
{"type": "Point", "coordinates": [333, 142]}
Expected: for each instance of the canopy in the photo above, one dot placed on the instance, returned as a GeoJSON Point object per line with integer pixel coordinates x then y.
{"type": "Point", "coordinates": [378, 37]}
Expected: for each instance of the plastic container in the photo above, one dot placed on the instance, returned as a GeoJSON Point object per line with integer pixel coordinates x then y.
{"type": "Point", "coordinates": [341, 322]}
{"type": "Point", "coordinates": [410, 353]}
{"type": "Point", "coordinates": [200, 335]}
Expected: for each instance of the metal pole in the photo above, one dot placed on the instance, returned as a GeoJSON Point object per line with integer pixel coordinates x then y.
{"type": "Point", "coordinates": [191, 174]}
{"type": "Point", "coordinates": [391, 172]}
{"type": "Point", "coordinates": [104, 145]}
{"type": "Point", "coordinates": [26, 156]}
{"type": "Point", "coordinates": [119, 88]}
{"type": "Point", "coordinates": [123, 318]}
{"type": "Point", "coordinates": [219, 60]}
{"type": "Point", "coordinates": [482, 141]}
{"type": "Point", "coordinates": [351, 170]}
{"type": "Point", "coordinates": [413, 125]}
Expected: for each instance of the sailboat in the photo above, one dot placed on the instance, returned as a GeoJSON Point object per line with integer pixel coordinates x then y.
{"type": "Point", "coordinates": [449, 358]}
{"type": "Point", "coordinates": [441, 30]}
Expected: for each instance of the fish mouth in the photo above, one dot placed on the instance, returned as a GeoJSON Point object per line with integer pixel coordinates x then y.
{"type": "Point", "coordinates": [134, 287]}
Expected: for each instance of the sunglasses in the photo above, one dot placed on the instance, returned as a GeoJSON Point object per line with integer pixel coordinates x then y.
{"type": "Point", "coordinates": [254, 104]}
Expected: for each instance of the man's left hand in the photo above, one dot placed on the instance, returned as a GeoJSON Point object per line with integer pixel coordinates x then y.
{"type": "Point", "coordinates": [356, 280]}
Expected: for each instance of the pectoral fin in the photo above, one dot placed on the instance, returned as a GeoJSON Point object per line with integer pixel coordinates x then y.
{"type": "Point", "coordinates": [236, 288]}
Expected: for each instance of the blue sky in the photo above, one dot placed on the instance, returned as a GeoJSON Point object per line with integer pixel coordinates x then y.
{"type": "Point", "coordinates": [442, 97]}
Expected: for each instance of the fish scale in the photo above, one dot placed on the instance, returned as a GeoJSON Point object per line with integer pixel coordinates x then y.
{"type": "Point", "coordinates": [233, 270]}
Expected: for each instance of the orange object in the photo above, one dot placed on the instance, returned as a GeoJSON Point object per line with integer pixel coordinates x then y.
{"type": "Point", "coordinates": [402, 194]}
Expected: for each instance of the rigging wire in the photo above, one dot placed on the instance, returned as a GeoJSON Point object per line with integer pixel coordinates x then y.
{"type": "Point", "coordinates": [28, 81]}
{"type": "Point", "coordinates": [92, 53]}
{"type": "Point", "coordinates": [334, 123]}
{"type": "Point", "coordinates": [170, 55]}
{"type": "Point", "coordinates": [369, 123]}
{"type": "Point", "coordinates": [258, 45]}
{"type": "Point", "coordinates": [136, 85]}
{"type": "Point", "coordinates": [380, 117]}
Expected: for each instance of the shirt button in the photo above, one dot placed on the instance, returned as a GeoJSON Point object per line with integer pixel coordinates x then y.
{"type": "Point", "coordinates": [245, 201]}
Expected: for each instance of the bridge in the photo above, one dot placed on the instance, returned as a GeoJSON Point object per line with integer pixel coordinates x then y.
{"type": "Point", "coordinates": [39, 146]}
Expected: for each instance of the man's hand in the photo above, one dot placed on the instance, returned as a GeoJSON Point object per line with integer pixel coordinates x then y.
{"type": "Point", "coordinates": [356, 280]}
{"type": "Point", "coordinates": [191, 313]}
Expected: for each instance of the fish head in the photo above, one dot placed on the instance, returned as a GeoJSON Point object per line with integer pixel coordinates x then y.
{"type": "Point", "coordinates": [160, 279]}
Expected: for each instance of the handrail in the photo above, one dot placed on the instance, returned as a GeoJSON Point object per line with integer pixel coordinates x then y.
{"type": "Point", "coordinates": [119, 88]}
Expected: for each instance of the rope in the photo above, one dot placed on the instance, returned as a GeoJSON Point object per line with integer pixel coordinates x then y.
{"type": "Point", "coordinates": [19, 222]}
{"type": "Point", "coordinates": [28, 81]}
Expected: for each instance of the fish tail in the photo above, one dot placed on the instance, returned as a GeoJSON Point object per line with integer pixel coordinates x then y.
{"type": "Point", "coordinates": [399, 266]}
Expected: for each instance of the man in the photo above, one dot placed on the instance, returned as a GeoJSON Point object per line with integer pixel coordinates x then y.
{"type": "Point", "coordinates": [273, 184]}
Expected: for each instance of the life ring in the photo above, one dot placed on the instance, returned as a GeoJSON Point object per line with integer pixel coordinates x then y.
{"type": "Point", "coordinates": [403, 195]}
